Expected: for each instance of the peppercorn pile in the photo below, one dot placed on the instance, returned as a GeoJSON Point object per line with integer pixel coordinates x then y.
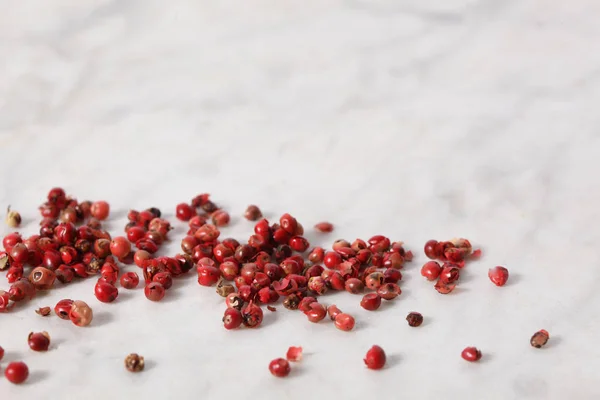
{"type": "Point", "coordinates": [274, 265]}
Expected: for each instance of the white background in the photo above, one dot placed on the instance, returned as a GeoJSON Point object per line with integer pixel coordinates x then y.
{"type": "Point", "coordinates": [451, 118]}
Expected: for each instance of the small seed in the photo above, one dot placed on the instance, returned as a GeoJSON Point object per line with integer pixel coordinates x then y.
{"type": "Point", "coordinates": [13, 218]}
{"type": "Point", "coordinates": [134, 363]}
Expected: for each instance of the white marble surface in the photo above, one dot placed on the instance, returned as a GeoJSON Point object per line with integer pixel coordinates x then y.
{"type": "Point", "coordinates": [415, 119]}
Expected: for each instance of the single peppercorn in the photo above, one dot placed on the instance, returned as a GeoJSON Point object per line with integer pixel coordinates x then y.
{"type": "Point", "coordinates": [80, 314]}
{"type": "Point", "coordinates": [16, 372]}
{"type": "Point", "coordinates": [324, 227]}
{"type": "Point", "coordinates": [344, 322]}
{"type": "Point", "coordinates": [280, 367]}
{"type": "Point", "coordinates": [431, 270]}
{"type": "Point", "coordinates": [498, 275]}
{"type": "Point", "coordinates": [414, 319]}
{"type": "Point", "coordinates": [184, 212]}
{"type": "Point", "coordinates": [1, 353]}
{"type": "Point", "coordinates": [232, 319]}
{"type": "Point", "coordinates": [252, 213]}
{"type": "Point", "coordinates": [134, 363]}
{"type": "Point", "coordinates": [120, 247]}
{"type": "Point", "coordinates": [471, 354]}
{"type": "Point", "coordinates": [371, 301]}
{"type": "Point", "coordinates": [539, 339]}
{"type": "Point", "coordinates": [375, 358]}
{"type": "Point", "coordinates": [63, 308]}
{"type": "Point", "coordinates": [130, 280]}
{"type": "Point", "coordinates": [105, 292]}
{"type": "Point", "coordinates": [39, 341]}
{"type": "Point", "coordinates": [100, 210]}
{"type": "Point", "coordinates": [154, 291]}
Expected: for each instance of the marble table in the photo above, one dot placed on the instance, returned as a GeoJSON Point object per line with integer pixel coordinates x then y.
{"type": "Point", "coordinates": [412, 119]}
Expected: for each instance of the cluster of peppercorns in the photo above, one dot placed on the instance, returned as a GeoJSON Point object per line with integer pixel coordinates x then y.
{"type": "Point", "coordinates": [147, 230]}
{"type": "Point", "coordinates": [266, 269]}
{"type": "Point", "coordinates": [208, 209]}
{"type": "Point", "coordinates": [453, 254]}
{"type": "Point", "coordinates": [262, 271]}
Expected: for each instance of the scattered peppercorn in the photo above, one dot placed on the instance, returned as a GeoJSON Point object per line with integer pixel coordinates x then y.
{"type": "Point", "coordinates": [13, 218]}
{"type": "Point", "coordinates": [134, 363]}
{"type": "Point", "coordinates": [414, 319]}
{"type": "Point", "coordinates": [540, 338]}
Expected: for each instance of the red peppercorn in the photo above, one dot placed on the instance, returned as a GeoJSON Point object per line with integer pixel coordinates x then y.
{"type": "Point", "coordinates": [42, 278]}
{"type": "Point", "coordinates": [498, 275]}
{"type": "Point", "coordinates": [110, 273]}
{"type": "Point", "coordinates": [252, 213]}
{"type": "Point", "coordinates": [208, 275]}
{"type": "Point", "coordinates": [332, 259]}
{"type": "Point", "coordinates": [449, 274]}
{"type": "Point", "coordinates": [100, 210]}
{"type": "Point", "coordinates": [164, 278]}
{"type": "Point", "coordinates": [105, 292]}
{"type": "Point", "coordinates": [135, 233]}
{"type": "Point", "coordinates": [232, 318]}
{"type": "Point", "coordinates": [344, 322]}
{"type": "Point", "coordinates": [5, 303]}
{"type": "Point", "coordinates": [1, 353]}
{"type": "Point", "coordinates": [324, 227]}
{"type": "Point", "coordinates": [354, 285]}
{"type": "Point", "coordinates": [120, 247]}
{"type": "Point", "coordinates": [11, 240]}
{"type": "Point", "coordinates": [431, 250]}
{"type": "Point", "coordinates": [220, 218]}
{"type": "Point", "coordinates": [293, 354]}
{"type": "Point", "coordinates": [371, 301]}
{"type": "Point", "coordinates": [471, 354]}
{"type": "Point", "coordinates": [288, 223]}
{"type": "Point", "coordinates": [317, 312]}
{"type": "Point", "coordinates": [63, 308]}
{"type": "Point", "coordinates": [389, 291]}
{"type": "Point", "coordinates": [16, 372]}
{"type": "Point", "coordinates": [141, 257]}
{"type": "Point", "coordinates": [39, 341]}
{"type": "Point", "coordinates": [252, 315]}
{"type": "Point", "coordinates": [234, 300]}
{"type": "Point", "coordinates": [375, 358]}
{"type": "Point", "coordinates": [299, 244]}
{"type": "Point", "coordinates": [154, 291]}
{"type": "Point", "coordinates": [374, 280]}
{"type": "Point", "coordinates": [431, 270]}
{"type": "Point", "coordinates": [184, 212]}
{"type": "Point", "coordinates": [280, 367]}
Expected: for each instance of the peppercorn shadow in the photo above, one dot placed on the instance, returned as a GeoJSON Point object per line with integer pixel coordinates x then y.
{"type": "Point", "coordinates": [513, 279]}
{"type": "Point", "coordinates": [553, 342]}
{"type": "Point", "coordinates": [393, 360]}
{"type": "Point", "coordinates": [36, 377]}
{"type": "Point", "coordinates": [102, 318]}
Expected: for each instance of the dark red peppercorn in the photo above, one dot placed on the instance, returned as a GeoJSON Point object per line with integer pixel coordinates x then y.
{"type": "Point", "coordinates": [63, 308]}
{"type": "Point", "coordinates": [252, 213]}
{"type": "Point", "coordinates": [232, 318]}
{"type": "Point", "coordinates": [252, 315]}
{"type": "Point", "coordinates": [39, 341]}
{"type": "Point", "coordinates": [184, 212]}
{"type": "Point", "coordinates": [414, 319]}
